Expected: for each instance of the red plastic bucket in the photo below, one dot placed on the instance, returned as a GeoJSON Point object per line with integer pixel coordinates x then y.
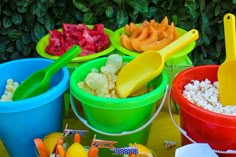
{"type": "Point", "coordinates": [203, 126]}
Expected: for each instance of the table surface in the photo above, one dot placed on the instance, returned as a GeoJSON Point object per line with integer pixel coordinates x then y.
{"type": "Point", "coordinates": [162, 129]}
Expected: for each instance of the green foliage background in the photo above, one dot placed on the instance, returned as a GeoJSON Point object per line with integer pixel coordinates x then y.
{"type": "Point", "coordinates": [24, 22]}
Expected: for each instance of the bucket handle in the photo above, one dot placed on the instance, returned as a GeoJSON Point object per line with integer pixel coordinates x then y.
{"type": "Point", "coordinates": [184, 133]}
{"type": "Point", "coordinates": [124, 132]}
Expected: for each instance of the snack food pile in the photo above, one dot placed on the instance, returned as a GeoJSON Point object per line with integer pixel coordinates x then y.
{"type": "Point", "coordinates": [206, 95]}
{"type": "Point", "coordinates": [101, 82]}
{"type": "Point", "coordinates": [90, 40]}
{"type": "Point", "coordinates": [150, 35]}
{"type": "Point", "coordinates": [10, 87]}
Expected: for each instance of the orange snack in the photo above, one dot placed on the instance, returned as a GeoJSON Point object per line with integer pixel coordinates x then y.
{"type": "Point", "coordinates": [42, 149]}
{"type": "Point", "coordinates": [60, 141]}
{"type": "Point", "coordinates": [143, 35]}
{"type": "Point", "coordinates": [148, 36]}
{"type": "Point", "coordinates": [168, 37]}
{"type": "Point", "coordinates": [77, 138]}
{"type": "Point", "coordinates": [162, 27]}
{"type": "Point", "coordinates": [129, 29]}
{"type": "Point", "coordinates": [61, 150]}
{"type": "Point", "coordinates": [154, 24]}
{"type": "Point", "coordinates": [136, 33]}
{"type": "Point", "coordinates": [93, 152]}
{"type": "Point", "coordinates": [136, 45]}
{"type": "Point", "coordinates": [157, 45]}
{"type": "Point", "coordinates": [125, 40]}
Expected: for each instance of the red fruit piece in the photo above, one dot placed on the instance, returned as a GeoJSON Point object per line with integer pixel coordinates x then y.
{"type": "Point", "coordinates": [90, 40]}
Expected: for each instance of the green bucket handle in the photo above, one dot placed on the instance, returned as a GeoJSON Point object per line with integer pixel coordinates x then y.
{"type": "Point", "coordinates": [124, 132]}
{"type": "Point", "coordinates": [184, 133]}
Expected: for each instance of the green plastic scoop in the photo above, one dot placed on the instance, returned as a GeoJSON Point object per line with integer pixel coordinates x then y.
{"type": "Point", "coordinates": [39, 81]}
{"type": "Point", "coordinates": [148, 65]}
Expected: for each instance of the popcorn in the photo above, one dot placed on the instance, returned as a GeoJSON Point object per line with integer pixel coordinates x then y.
{"type": "Point", "coordinates": [206, 95]}
{"type": "Point", "coordinates": [9, 90]}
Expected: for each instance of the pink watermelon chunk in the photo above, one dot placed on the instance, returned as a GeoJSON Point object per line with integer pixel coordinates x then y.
{"type": "Point", "coordinates": [90, 40]}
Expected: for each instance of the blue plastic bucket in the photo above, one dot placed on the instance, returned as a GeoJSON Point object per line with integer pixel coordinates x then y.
{"type": "Point", "coordinates": [22, 121]}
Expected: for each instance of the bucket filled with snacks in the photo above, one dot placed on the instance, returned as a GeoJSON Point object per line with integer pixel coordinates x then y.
{"type": "Point", "coordinates": [23, 120]}
{"type": "Point", "coordinates": [203, 119]}
{"type": "Point", "coordinates": [125, 120]}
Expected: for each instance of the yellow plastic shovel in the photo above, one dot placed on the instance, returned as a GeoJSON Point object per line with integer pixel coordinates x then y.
{"type": "Point", "coordinates": [148, 65]}
{"type": "Point", "coordinates": [227, 70]}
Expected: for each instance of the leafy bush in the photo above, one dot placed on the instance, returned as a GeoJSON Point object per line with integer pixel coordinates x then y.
{"type": "Point", "coordinates": [24, 22]}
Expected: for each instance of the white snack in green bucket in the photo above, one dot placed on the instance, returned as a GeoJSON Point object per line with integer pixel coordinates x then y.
{"type": "Point", "coordinates": [101, 82]}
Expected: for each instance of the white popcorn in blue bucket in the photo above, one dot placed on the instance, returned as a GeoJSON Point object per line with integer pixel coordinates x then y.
{"type": "Point", "coordinates": [10, 87]}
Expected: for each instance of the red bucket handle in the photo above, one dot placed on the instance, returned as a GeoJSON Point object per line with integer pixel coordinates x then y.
{"type": "Point", "coordinates": [184, 133]}
{"type": "Point", "coordinates": [124, 132]}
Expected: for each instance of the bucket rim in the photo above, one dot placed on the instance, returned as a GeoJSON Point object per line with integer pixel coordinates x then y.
{"type": "Point", "coordinates": [39, 100]}
{"type": "Point", "coordinates": [193, 109]}
{"type": "Point", "coordinates": [115, 103]}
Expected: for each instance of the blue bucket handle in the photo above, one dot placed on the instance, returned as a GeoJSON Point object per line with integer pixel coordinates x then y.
{"type": "Point", "coordinates": [184, 133]}
{"type": "Point", "coordinates": [124, 132]}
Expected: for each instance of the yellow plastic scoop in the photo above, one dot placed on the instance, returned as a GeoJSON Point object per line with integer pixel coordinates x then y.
{"type": "Point", "coordinates": [227, 71]}
{"type": "Point", "coordinates": [148, 65]}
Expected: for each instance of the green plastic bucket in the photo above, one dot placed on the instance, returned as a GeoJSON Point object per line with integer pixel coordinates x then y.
{"type": "Point", "coordinates": [115, 115]}
{"type": "Point", "coordinates": [139, 135]}
{"type": "Point", "coordinates": [116, 119]}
